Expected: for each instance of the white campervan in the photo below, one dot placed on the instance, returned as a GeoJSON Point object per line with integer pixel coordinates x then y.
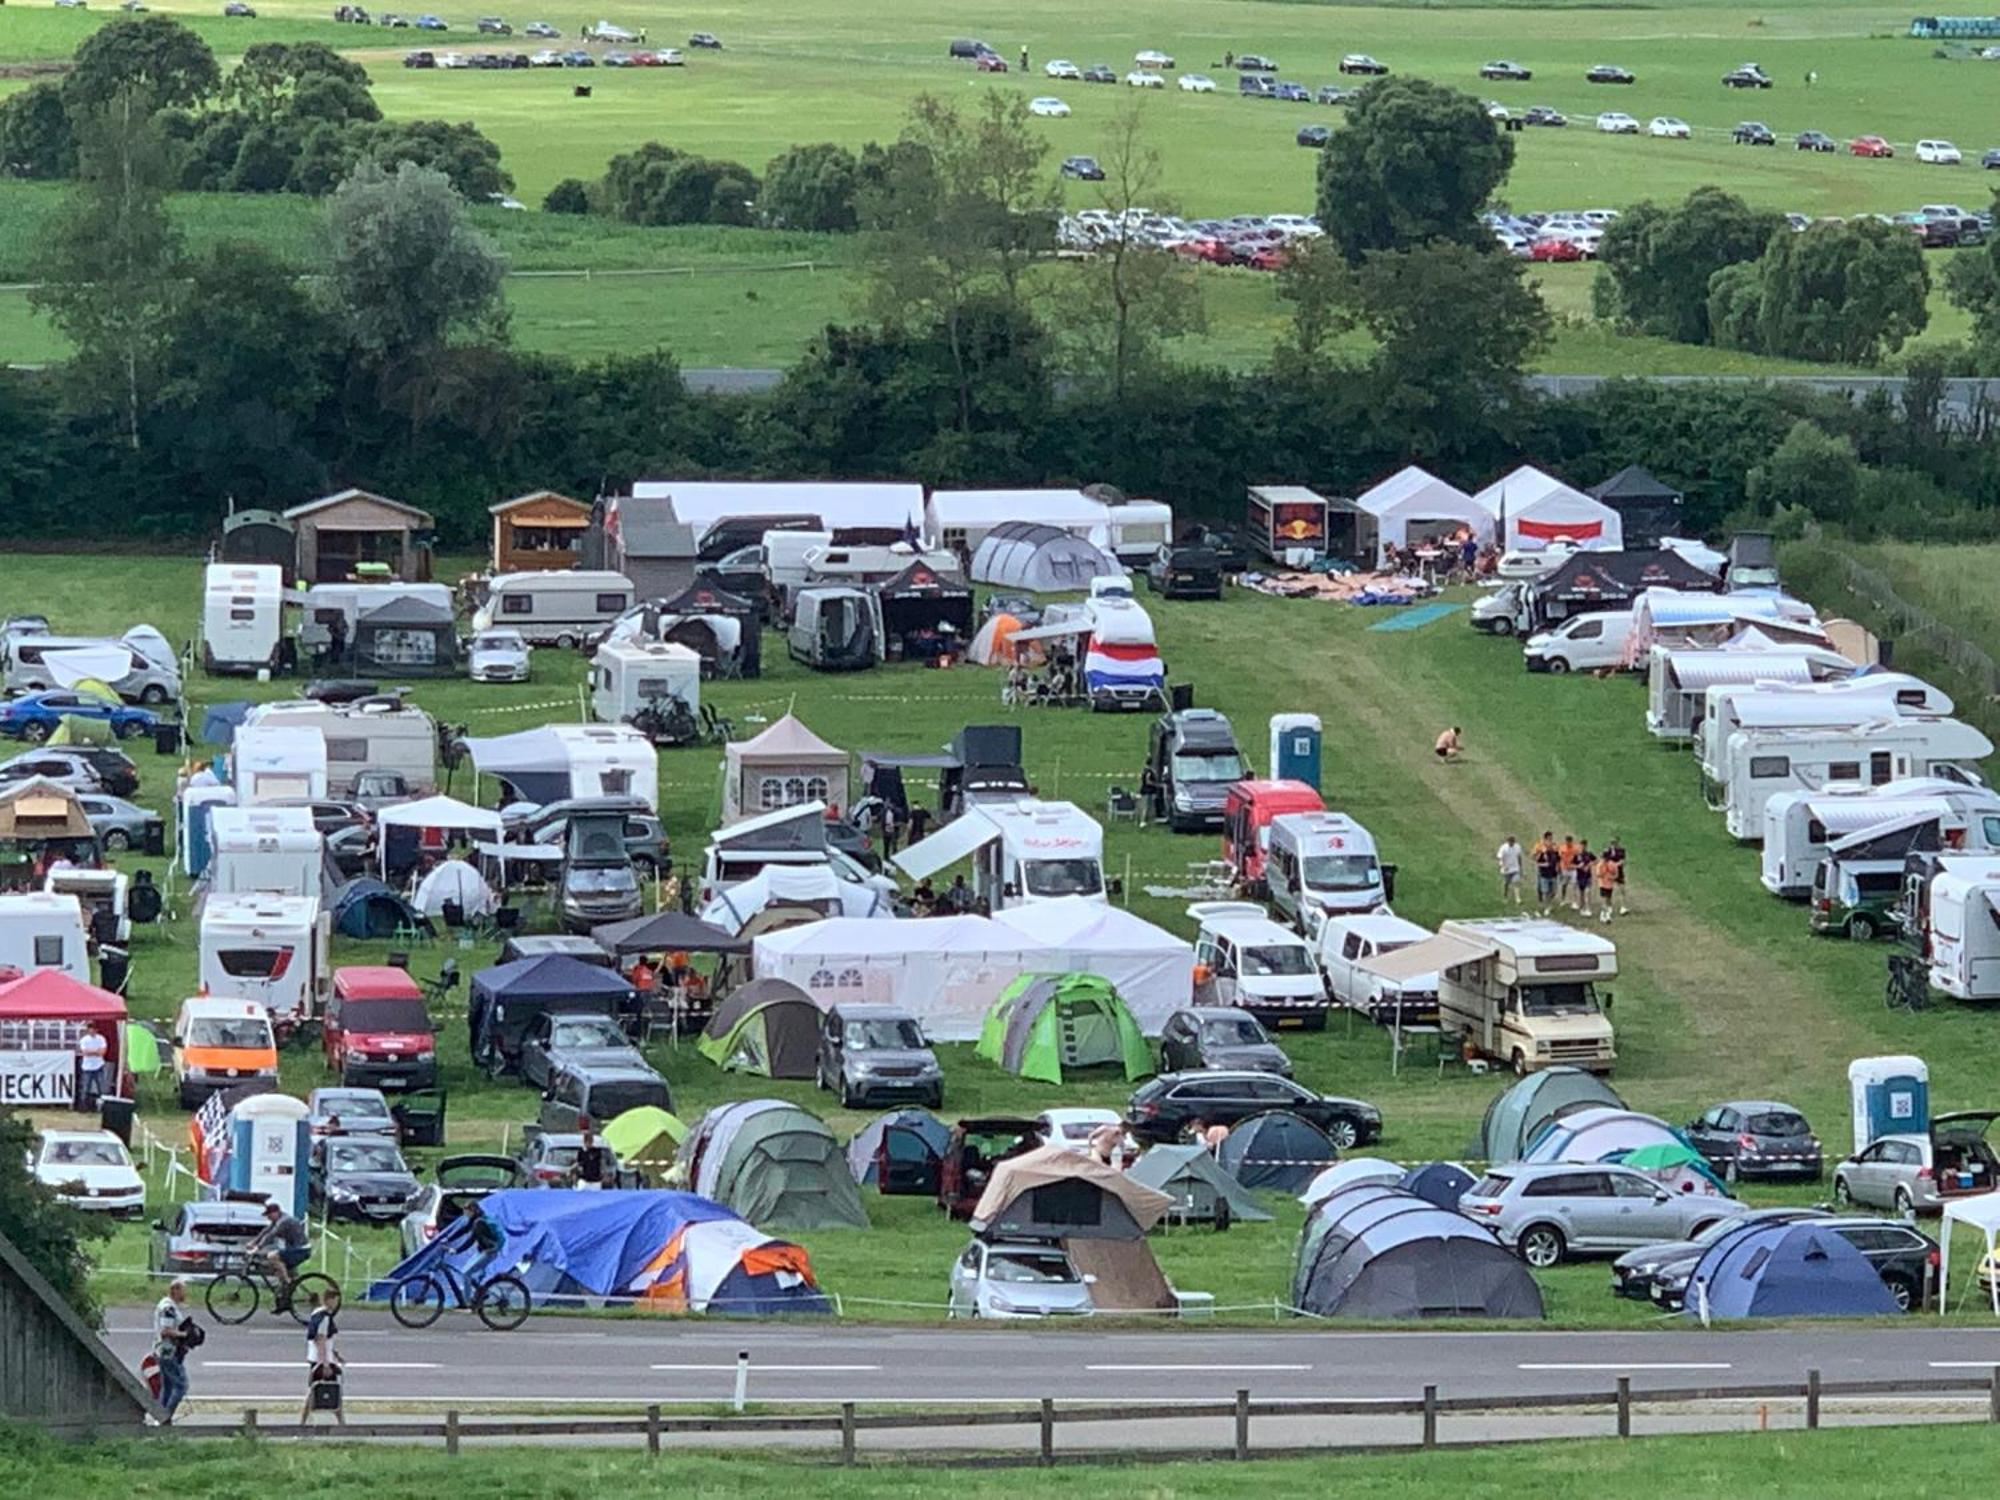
{"type": "Point", "coordinates": [784, 560]}
{"type": "Point", "coordinates": [242, 617]}
{"type": "Point", "coordinates": [143, 679]}
{"type": "Point", "coordinates": [1320, 865]}
{"type": "Point", "coordinates": [1582, 643]}
{"type": "Point", "coordinates": [277, 763]}
{"type": "Point", "coordinates": [558, 608]}
{"type": "Point", "coordinates": [274, 850]}
{"type": "Point", "coordinates": [627, 677]}
{"type": "Point", "coordinates": [270, 949]}
{"type": "Point", "coordinates": [373, 734]}
{"type": "Point", "coordinates": [1964, 927]}
{"type": "Point", "coordinates": [1252, 962]}
{"type": "Point", "coordinates": [1799, 827]}
{"type": "Point", "coordinates": [1760, 763]}
{"type": "Point", "coordinates": [43, 930]}
{"type": "Point", "coordinates": [1729, 707]}
{"type": "Point", "coordinates": [1023, 851]}
{"type": "Point", "coordinates": [1678, 679]}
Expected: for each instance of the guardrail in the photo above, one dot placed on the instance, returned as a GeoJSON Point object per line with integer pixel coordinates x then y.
{"type": "Point", "coordinates": [849, 1423]}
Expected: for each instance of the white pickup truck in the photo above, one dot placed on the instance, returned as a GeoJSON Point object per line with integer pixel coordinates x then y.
{"type": "Point", "coordinates": [1342, 946]}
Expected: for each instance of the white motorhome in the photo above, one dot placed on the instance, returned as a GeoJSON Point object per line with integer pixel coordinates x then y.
{"type": "Point", "coordinates": [101, 893]}
{"type": "Point", "coordinates": [863, 566]}
{"type": "Point", "coordinates": [267, 948]}
{"type": "Point", "coordinates": [1139, 528]}
{"type": "Point", "coordinates": [1252, 962]}
{"type": "Point", "coordinates": [43, 930]}
{"type": "Point", "coordinates": [277, 763]}
{"type": "Point", "coordinates": [1023, 851]}
{"type": "Point", "coordinates": [1349, 949]}
{"type": "Point", "coordinates": [1523, 991]}
{"type": "Point", "coordinates": [272, 850]}
{"type": "Point", "coordinates": [1582, 643]}
{"type": "Point", "coordinates": [784, 562]}
{"type": "Point", "coordinates": [556, 608]}
{"type": "Point", "coordinates": [1852, 700]}
{"type": "Point", "coordinates": [242, 617]}
{"type": "Point", "coordinates": [1678, 679]}
{"type": "Point", "coordinates": [1758, 764]}
{"type": "Point", "coordinates": [629, 677]}
{"type": "Point", "coordinates": [1964, 927]}
{"type": "Point", "coordinates": [373, 734]}
{"type": "Point", "coordinates": [1321, 865]}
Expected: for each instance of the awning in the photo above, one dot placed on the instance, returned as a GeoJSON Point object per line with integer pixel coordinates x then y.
{"type": "Point", "coordinates": [904, 760]}
{"type": "Point", "coordinates": [1052, 632]}
{"type": "Point", "coordinates": [955, 841]}
{"type": "Point", "coordinates": [1426, 957]}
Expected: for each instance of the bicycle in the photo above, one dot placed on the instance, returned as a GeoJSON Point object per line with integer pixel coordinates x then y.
{"type": "Point", "coordinates": [235, 1295]}
{"type": "Point", "coordinates": [502, 1302]}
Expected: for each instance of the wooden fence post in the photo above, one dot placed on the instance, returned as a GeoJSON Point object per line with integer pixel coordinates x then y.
{"type": "Point", "coordinates": [1812, 1400]}
{"type": "Point", "coordinates": [250, 1421]}
{"type": "Point", "coordinates": [847, 1434]}
{"type": "Point", "coordinates": [1624, 1406]}
{"type": "Point", "coordinates": [1993, 1395]}
{"type": "Point", "coordinates": [1048, 1431]}
{"type": "Point", "coordinates": [1430, 1416]}
{"type": "Point", "coordinates": [653, 1431]}
{"type": "Point", "coordinates": [451, 1433]}
{"type": "Point", "coordinates": [1242, 1424]}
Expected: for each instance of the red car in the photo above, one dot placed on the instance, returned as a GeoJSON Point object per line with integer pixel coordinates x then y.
{"type": "Point", "coordinates": [645, 59]}
{"type": "Point", "coordinates": [1266, 258]}
{"type": "Point", "coordinates": [1555, 247]}
{"type": "Point", "coordinates": [1213, 251]}
{"type": "Point", "coordinates": [1870, 145]}
{"type": "Point", "coordinates": [990, 62]}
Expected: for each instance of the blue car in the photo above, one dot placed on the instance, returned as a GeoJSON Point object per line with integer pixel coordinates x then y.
{"type": "Point", "coordinates": [1295, 92]}
{"type": "Point", "coordinates": [34, 716]}
{"type": "Point", "coordinates": [431, 23]}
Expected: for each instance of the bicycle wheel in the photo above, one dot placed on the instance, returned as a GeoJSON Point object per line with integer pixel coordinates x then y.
{"type": "Point", "coordinates": [418, 1301]}
{"type": "Point", "coordinates": [231, 1298]}
{"type": "Point", "coordinates": [504, 1303]}
{"type": "Point", "coordinates": [306, 1292]}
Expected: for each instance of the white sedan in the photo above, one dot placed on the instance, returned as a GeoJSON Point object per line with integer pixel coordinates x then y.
{"type": "Point", "coordinates": [1197, 83]}
{"type": "Point", "coordinates": [89, 1169]}
{"type": "Point", "coordinates": [1611, 122]}
{"type": "Point", "coordinates": [499, 655]}
{"type": "Point", "coordinates": [453, 60]}
{"type": "Point", "coordinates": [1668, 128]}
{"type": "Point", "coordinates": [1938, 153]}
{"type": "Point", "coordinates": [1062, 67]}
{"type": "Point", "coordinates": [1140, 79]}
{"type": "Point", "coordinates": [1152, 59]}
{"type": "Point", "coordinates": [1050, 107]}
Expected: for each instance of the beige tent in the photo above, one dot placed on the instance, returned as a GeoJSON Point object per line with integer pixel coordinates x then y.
{"type": "Point", "coordinates": [42, 809]}
{"type": "Point", "coordinates": [782, 767]}
{"type": "Point", "coordinates": [1055, 1193]}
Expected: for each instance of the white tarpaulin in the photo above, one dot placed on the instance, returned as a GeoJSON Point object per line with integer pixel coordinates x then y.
{"type": "Point", "coordinates": [88, 664]}
{"type": "Point", "coordinates": [945, 971]}
{"type": "Point", "coordinates": [36, 1080]}
{"type": "Point", "coordinates": [1151, 968]}
{"type": "Point", "coordinates": [794, 885]}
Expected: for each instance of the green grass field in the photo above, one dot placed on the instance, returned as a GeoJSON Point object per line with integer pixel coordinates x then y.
{"type": "Point", "coordinates": [1722, 991]}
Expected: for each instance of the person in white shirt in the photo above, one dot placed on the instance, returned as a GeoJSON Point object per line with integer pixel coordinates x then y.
{"type": "Point", "coordinates": [169, 1346]}
{"type": "Point", "coordinates": [91, 1049]}
{"type": "Point", "coordinates": [1509, 858]}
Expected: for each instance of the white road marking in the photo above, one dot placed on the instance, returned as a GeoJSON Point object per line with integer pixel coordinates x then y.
{"type": "Point", "coordinates": [1964, 1364]}
{"type": "Point", "coordinates": [293, 1364]}
{"type": "Point", "coordinates": [764, 1369]}
{"type": "Point", "coordinates": [1219, 1369]}
{"type": "Point", "coordinates": [1688, 1366]}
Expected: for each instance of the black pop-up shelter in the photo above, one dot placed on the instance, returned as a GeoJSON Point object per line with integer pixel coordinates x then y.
{"type": "Point", "coordinates": [1593, 582]}
{"type": "Point", "coordinates": [1371, 1251]}
{"type": "Point", "coordinates": [921, 598]}
{"type": "Point", "coordinates": [506, 997]}
{"type": "Point", "coordinates": [1647, 508]}
{"type": "Point", "coordinates": [704, 597]}
{"type": "Point", "coordinates": [666, 932]}
{"type": "Point", "coordinates": [406, 638]}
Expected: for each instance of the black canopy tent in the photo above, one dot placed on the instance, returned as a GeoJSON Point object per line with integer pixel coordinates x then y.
{"type": "Point", "coordinates": [705, 597]}
{"type": "Point", "coordinates": [922, 600]}
{"type": "Point", "coordinates": [666, 932]}
{"type": "Point", "coordinates": [1647, 508]}
{"type": "Point", "coordinates": [981, 759]}
{"type": "Point", "coordinates": [1592, 582]}
{"type": "Point", "coordinates": [406, 638]}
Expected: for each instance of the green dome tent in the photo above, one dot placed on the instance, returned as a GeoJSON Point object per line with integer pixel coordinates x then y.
{"type": "Point", "coordinates": [773, 1163]}
{"type": "Point", "coordinates": [1518, 1114]}
{"type": "Point", "coordinates": [767, 1026]}
{"type": "Point", "coordinates": [1044, 1024]}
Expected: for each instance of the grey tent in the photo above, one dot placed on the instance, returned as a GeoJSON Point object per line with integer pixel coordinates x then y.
{"type": "Point", "coordinates": [1647, 508]}
{"type": "Point", "coordinates": [901, 1152]}
{"type": "Point", "coordinates": [1439, 1182]}
{"type": "Point", "coordinates": [1516, 1116]}
{"type": "Point", "coordinates": [773, 1163]}
{"type": "Point", "coordinates": [1201, 1190]}
{"type": "Point", "coordinates": [406, 638]}
{"type": "Point", "coordinates": [1379, 1252]}
{"type": "Point", "coordinates": [666, 932]}
{"type": "Point", "coordinates": [1039, 559]}
{"type": "Point", "coordinates": [768, 1026]}
{"type": "Point", "coordinates": [1276, 1149]}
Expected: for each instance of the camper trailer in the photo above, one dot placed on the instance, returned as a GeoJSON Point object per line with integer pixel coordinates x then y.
{"type": "Point", "coordinates": [267, 948]}
{"type": "Point", "coordinates": [1023, 851]}
{"type": "Point", "coordinates": [102, 894]}
{"type": "Point", "coordinates": [1678, 680]}
{"type": "Point", "coordinates": [1523, 991]}
{"type": "Point", "coordinates": [1192, 755]}
{"type": "Point", "coordinates": [836, 629]}
{"type": "Point", "coordinates": [273, 850]}
{"type": "Point", "coordinates": [1799, 827]}
{"type": "Point", "coordinates": [370, 734]}
{"type": "Point", "coordinates": [1320, 865]}
{"type": "Point", "coordinates": [43, 930]}
{"type": "Point", "coordinates": [630, 679]}
{"type": "Point", "coordinates": [277, 763]}
{"type": "Point", "coordinates": [1963, 926]}
{"type": "Point", "coordinates": [563, 609]}
{"type": "Point", "coordinates": [1847, 701]}
{"type": "Point", "coordinates": [1760, 763]}
{"type": "Point", "coordinates": [784, 563]}
{"type": "Point", "coordinates": [1139, 529]}
{"type": "Point", "coordinates": [242, 618]}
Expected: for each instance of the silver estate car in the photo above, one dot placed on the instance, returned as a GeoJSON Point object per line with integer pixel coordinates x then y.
{"type": "Point", "coordinates": [1025, 1280]}
{"type": "Point", "coordinates": [1914, 1174]}
{"type": "Point", "coordinates": [1554, 1211]}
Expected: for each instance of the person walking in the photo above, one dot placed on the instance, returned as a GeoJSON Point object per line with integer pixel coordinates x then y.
{"type": "Point", "coordinates": [1606, 873]}
{"type": "Point", "coordinates": [1508, 855]}
{"type": "Point", "coordinates": [1024, 59]}
{"type": "Point", "coordinates": [170, 1345]}
{"type": "Point", "coordinates": [920, 820]}
{"type": "Point", "coordinates": [892, 830]}
{"type": "Point", "coordinates": [1566, 864]}
{"type": "Point", "coordinates": [1615, 852]}
{"type": "Point", "coordinates": [1580, 872]}
{"type": "Point", "coordinates": [323, 1363]}
{"type": "Point", "coordinates": [1547, 856]}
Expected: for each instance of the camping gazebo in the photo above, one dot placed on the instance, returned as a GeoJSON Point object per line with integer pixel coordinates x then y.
{"type": "Point", "coordinates": [783, 767]}
{"type": "Point", "coordinates": [1648, 508]}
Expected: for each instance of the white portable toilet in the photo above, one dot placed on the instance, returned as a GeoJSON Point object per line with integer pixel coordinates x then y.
{"type": "Point", "coordinates": [1891, 1096]}
{"type": "Point", "coordinates": [1295, 748]}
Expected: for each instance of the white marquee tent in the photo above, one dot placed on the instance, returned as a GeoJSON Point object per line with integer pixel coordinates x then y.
{"type": "Point", "coordinates": [1980, 1214]}
{"type": "Point", "coordinates": [945, 971]}
{"type": "Point", "coordinates": [1538, 508]}
{"type": "Point", "coordinates": [1414, 497]}
{"type": "Point", "coordinates": [1151, 968]}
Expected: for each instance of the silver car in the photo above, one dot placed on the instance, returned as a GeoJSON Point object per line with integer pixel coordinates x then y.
{"type": "Point", "coordinates": [1026, 1280]}
{"type": "Point", "coordinates": [118, 824]}
{"type": "Point", "coordinates": [1553, 1211]}
{"type": "Point", "coordinates": [1912, 1173]}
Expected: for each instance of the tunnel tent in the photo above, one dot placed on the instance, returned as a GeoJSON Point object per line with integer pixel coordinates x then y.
{"type": "Point", "coordinates": [1600, 1133]}
{"type": "Point", "coordinates": [1201, 1191]}
{"type": "Point", "coordinates": [900, 1152]}
{"type": "Point", "coordinates": [1276, 1149]}
{"type": "Point", "coordinates": [1053, 1192]}
{"type": "Point", "coordinates": [773, 1163]}
{"type": "Point", "coordinates": [1026, 557]}
{"type": "Point", "coordinates": [366, 908]}
{"type": "Point", "coordinates": [1379, 1252]}
{"type": "Point", "coordinates": [1352, 1172]}
{"type": "Point", "coordinates": [1518, 1113]}
{"type": "Point", "coordinates": [767, 1027]}
{"type": "Point", "coordinates": [1043, 1026]}
{"type": "Point", "coordinates": [1439, 1182]}
{"type": "Point", "coordinates": [1794, 1269]}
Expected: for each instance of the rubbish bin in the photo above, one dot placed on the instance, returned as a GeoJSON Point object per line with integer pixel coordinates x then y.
{"type": "Point", "coordinates": [167, 739]}
{"type": "Point", "coordinates": [113, 965]}
{"type": "Point", "coordinates": [115, 1115]}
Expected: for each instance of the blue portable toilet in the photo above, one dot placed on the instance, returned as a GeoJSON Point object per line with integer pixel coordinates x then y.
{"type": "Point", "coordinates": [197, 844]}
{"type": "Point", "coordinates": [270, 1136]}
{"type": "Point", "coordinates": [1295, 740]}
{"type": "Point", "coordinates": [1891, 1096]}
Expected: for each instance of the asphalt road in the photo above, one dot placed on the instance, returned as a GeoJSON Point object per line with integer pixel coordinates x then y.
{"type": "Point", "coordinates": [596, 1362]}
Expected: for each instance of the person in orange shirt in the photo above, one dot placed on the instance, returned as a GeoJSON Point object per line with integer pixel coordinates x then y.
{"type": "Point", "coordinates": [1606, 871]}
{"type": "Point", "coordinates": [643, 976]}
{"type": "Point", "coordinates": [1567, 852]}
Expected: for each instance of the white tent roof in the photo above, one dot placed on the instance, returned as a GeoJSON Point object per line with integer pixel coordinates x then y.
{"type": "Point", "coordinates": [1347, 1173]}
{"type": "Point", "coordinates": [1068, 509]}
{"type": "Point", "coordinates": [779, 885]}
{"type": "Point", "coordinates": [699, 505]}
{"type": "Point", "coordinates": [945, 971]}
{"type": "Point", "coordinates": [1545, 503]}
{"type": "Point", "coordinates": [440, 812]}
{"type": "Point", "coordinates": [1151, 968]}
{"type": "Point", "coordinates": [453, 880]}
{"type": "Point", "coordinates": [1981, 1214]}
{"type": "Point", "coordinates": [787, 741]}
{"type": "Point", "coordinates": [1414, 494]}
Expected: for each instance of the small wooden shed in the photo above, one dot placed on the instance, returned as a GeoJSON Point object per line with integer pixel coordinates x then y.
{"type": "Point", "coordinates": [538, 531]}
{"type": "Point", "coordinates": [337, 532]}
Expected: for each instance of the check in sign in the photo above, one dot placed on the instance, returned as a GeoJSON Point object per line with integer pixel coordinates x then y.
{"type": "Point", "coordinates": [37, 1080]}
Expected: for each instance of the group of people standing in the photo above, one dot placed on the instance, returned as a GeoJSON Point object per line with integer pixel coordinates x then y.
{"type": "Point", "coordinates": [1566, 874]}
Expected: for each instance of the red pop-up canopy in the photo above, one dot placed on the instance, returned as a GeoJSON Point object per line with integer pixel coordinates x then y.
{"type": "Point", "coordinates": [51, 995]}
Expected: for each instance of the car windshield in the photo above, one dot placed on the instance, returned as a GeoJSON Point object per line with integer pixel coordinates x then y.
{"type": "Point", "coordinates": [1280, 960]}
{"type": "Point", "coordinates": [1226, 766]}
{"type": "Point", "coordinates": [588, 1034]}
{"type": "Point", "coordinates": [1018, 1266]}
{"type": "Point", "coordinates": [1342, 872]}
{"type": "Point", "coordinates": [604, 880]}
{"type": "Point", "coordinates": [1780, 1122]}
{"type": "Point", "coordinates": [355, 1106]}
{"type": "Point", "coordinates": [213, 1031]}
{"type": "Point", "coordinates": [499, 640]}
{"type": "Point", "coordinates": [364, 1156]}
{"type": "Point", "coordinates": [1558, 1000]}
{"type": "Point", "coordinates": [85, 1154]}
{"type": "Point", "coordinates": [867, 1034]}
{"type": "Point", "coordinates": [1063, 877]}
{"type": "Point", "coordinates": [1239, 1031]}
{"type": "Point", "coordinates": [403, 1015]}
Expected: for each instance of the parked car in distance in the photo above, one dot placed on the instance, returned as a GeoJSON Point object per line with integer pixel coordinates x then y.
{"type": "Point", "coordinates": [1938, 153]}
{"type": "Point", "coordinates": [1099, 73]}
{"type": "Point", "coordinates": [1333, 93]}
{"type": "Point", "coordinates": [89, 1170]}
{"type": "Point", "coordinates": [1152, 57]}
{"type": "Point", "coordinates": [1549, 1212]}
{"type": "Point", "coordinates": [349, 1111]}
{"type": "Point", "coordinates": [492, 26]}
{"type": "Point", "coordinates": [1748, 1138]}
{"type": "Point", "coordinates": [563, 1039]}
{"type": "Point", "coordinates": [589, 1094]}
{"type": "Point", "coordinates": [1916, 1173]}
{"type": "Point", "coordinates": [989, 62]}
{"type": "Point", "coordinates": [238, 8]}
{"type": "Point", "coordinates": [1196, 83]}
{"type": "Point", "coordinates": [1219, 1037]}
{"type": "Point", "coordinates": [1611, 122]}
{"type": "Point", "coordinates": [1291, 93]}
{"type": "Point", "coordinates": [1557, 249]}
{"type": "Point", "coordinates": [1361, 62]}
{"type": "Point", "coordinates": [420, 60]}
{"type": "Point", "coordinates": [1747, 76]}
{"type": "Point", "coordinates": [1048, 107]}
{"type": "Point", "coordinates": [1183, 572]}
{"type": "Point", "coordinates": [202, 1237]}
{"type": "Point", "coordinates": [1230, 550]}
{"type": "Point", "coordinates": [1544, 114]}
{"type": "Point", "coordinates": [35, 716]}
{"type": "Point", "coordinates": [1140, 78]}
{"type": "Point", "coordinates": [455, 1182]}
{"type": "Point", "coordinates": [1071, 1129]}
{"type": "Point", "coordinates": [1870, 145]}
{"type": "Point", "coordinates": [1753, 133]}
{"type": "Point", "coordinates": [541, 29]}
{"type": "Point", "coordinates": [1669, 128]}
{"type": "Point", "coordinates": [1253, 62]}
{"type": "Point", "coordinates": [1256, 86]}
{"type": "Point", "coordinates": [1082, 168]}
{"type": "Point", "coordinates": [1815, 140]}
{"type": "Point", "coordinates": [1161, 1107]}
{"type": "Point", "coordinates": [708, 41]}
{"type": "Point", "coordinates": [65, 767]}
{"type": "Point", "coordinates": [1031, 1279]}
{"type": "Point", "coordinates": [119, 825]}
{"type": "Point", "coordinates": [431, 23]}
{"type": "Point", "coordinates": [876, 1052]}
{"type": "Point", "coordinates": [1634, 1273]}
{"type": "Point", "coordinates": [1505, 72]}
{"type": "Point", "coordinates": [502, 654]}
{"type": "Point", "coordinates": [1610, 73]}
{"type": "Point", "coordinates": [547, 1156]}
{"type": "Point", "coordinates": [1313, 137]}
{"type": "Point", "coordinates": [361, 1177]}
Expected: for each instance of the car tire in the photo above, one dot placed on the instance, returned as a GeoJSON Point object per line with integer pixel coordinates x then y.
{"type": "Point", "coordinates": [1520, 1062]}
{"type": "Point", "coordinates": [848, 1100]}
{"type": "Point", "coordinates": [1344, 1133]}
{"type": "Point", "coordinates": [1558, 664]}
{"type": "Point", "coordinates": [153, 695]}
{"type": "Point", "coordinates": [1906, 1206]}
{"type": "Point", "coordinates": [1905, 1294]}
{"type": "Point", "coordinates": [1861, 928]}
{"type": "Point", "coordinates": [116, 841]}
{"type": "Point", "coordinates": [1542, 1246]}
{"type": "Point", "coordinates": [34, 731]}
{"type": "Point", "coordinates": [1503, 627]}
{"type": "Point", "coordinates": [565, 642]}
{"type": "Point", "coordinates": [1843, 1195]}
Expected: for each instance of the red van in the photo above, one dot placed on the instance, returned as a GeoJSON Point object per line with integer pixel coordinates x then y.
{"type": "Point", "coordinates": [377, 1031]}
{"type": "Point", "coordinates": [1246, 821]}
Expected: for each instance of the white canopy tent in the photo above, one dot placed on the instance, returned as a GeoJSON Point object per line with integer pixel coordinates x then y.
{"type": "Point", "coordinates": [447, 814]}
{"type": "Point", "coordinates": [700, 505]}
{"type": "Point", "coordinates": [1980, 1214]}
{"type": "Point", "coordinates": [456, 881]}
{"type": "Point", "coordinates": [785, 766]}
{"type": "Point", "coordinates": [794, 885]}
{"type": "Point", "coordinates": [1151, 968]}
{"type": "Point", "coordinates": [1536, 509]}
{"type": "Point", "coordinates": [945, 971]}
{"type": "Point", "coordinates": [1416, 497]}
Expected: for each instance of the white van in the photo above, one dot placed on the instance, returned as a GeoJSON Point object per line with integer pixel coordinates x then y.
{"type": "Point", "coordinates": [242, 617]}
{"type": "Point", "coordinates": [145, 681]}
{"type": "Point", "coordinates": [1582, 643]}
{"type": "Point", "coordinates": [628, 677]}
{"type": "Point", "coordinates": [271, 949]}
{"type": "Point", "coordinates": [373, 734]}
{"type": "Point", "coordinates": [274, 850]}
{"type": "Point", "coordinates": [1348, 943]}
{"type": "Point", "coordinates": [277, 763]}
{"type": "Point", "coordinates": [43, 930]}
{"type": "Point", "coordinates": [560, 608]}
{"type": "Point", "coordinates": [784, 562]}
{"type": "Point", "coordinates": [1758, 764]}
{"type": "Point", "coordinates": [1320, 865]}
{"type": "Point", "coordinates": [1253, 963]}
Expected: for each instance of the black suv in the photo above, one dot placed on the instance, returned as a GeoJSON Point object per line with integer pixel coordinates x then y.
{"type": "Point", "coordinates": [1608, 73]}
{"type": "Point", "coordinates": [1251, 62]}
{"type": "Point", "coordinates": [1183, 572]}
{"type": "Point", "coordinates": [1505, 72]}
{"type": "Point", "coordinates": [1753, 133]}
{"type": "Point", "coordinates": [1749, 76]}
{"type": "Point", "coordinates": [1161, 1108]}
{"type": "Point", "coordinates": [1082, 168]}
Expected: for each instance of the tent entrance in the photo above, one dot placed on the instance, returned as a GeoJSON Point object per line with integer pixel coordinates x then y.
{"type": "Point", "coordinates": [1086, 1035]}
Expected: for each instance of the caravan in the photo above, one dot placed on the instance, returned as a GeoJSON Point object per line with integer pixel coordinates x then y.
{"type": "Point", "coordinates": [273, 850]}
{"type": "Point", "coordinates": [1760, 763]}
{"type": "Point", "coordinates": [1679, 679]}
{"type": "Point", "coordinates": [1729, 707]}
{"type": "Point", "coordinates": [1963, 898]}
{"type": "Point", "coordinates": [1321, 865]}
{"type": "Point", "coordinates": [42, 930]}
{"type": "Point", "coordinates": [371, 734]}
{"type": "Point", "coordinates": [242, 617]}
{"type": "Point", "coordinates": [277, 763]}
{"type": "Point", "coordinates": [1799, 827]}
{"type": "Point", "coordinates": [1138, 530]}
{"type": "Point", "coordinates": [651, 679]}
{"type": "Point", "coordinates": [268, 949]}
{"type": "Point", "coordinates": [562, 609]}
{"type": "Point", "coordinates": [1023, 851]}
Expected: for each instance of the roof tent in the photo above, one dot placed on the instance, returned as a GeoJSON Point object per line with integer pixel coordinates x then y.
{"type": "Point", "coordinates": [901, 1152]}
{"type": "Point", "coordinates": [1151, 968]}
{"type": "Point", "coordinates": [1036, 559]}
{"type": "Point", "coordinates": [783, 767]}
{"type": "Point", "coordinates": [561, 761]}
{"type": "Point", "coordinates": [1052, 1192]}
{"type": "Point", "coordinates": [1439, 1182]}
{"type": "Point", "coordinates": [1045, 1025]}
{"type": "Point", "coordinates": [1795, 1269]}
{"type": "Point", "coordinates": [945, 971]}
{"type": "Point", "coordinates": [1379, 1252]}
{"type": "Point", "coordinates": [1650, 510]}
{"type": "Point", "coordinates": [766, 1027]}
{"type": "Point", "coordinates": [773, 1163]}
{"type": "Point", "coordinates": [406, 638]}
{"type": "Point", "coordinates": [1598, 1134]}
{"type": "Point", "coordinates": [39, 808]}
{"type": "Point", "coordinates": [1532, 509]}
{"type": "Point", "coordinates": [665, 932]}
{"type": "Point", "coordinates": [1519, 1112]}
{"type": "Point", "coordinates": [1276, 1149]}
{"type": "Point", "coordinates": [1201, 1191]}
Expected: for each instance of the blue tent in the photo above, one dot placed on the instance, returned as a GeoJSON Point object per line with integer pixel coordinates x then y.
{"type": "Point", "coordinates": [1276, 1149]}
{"type": "Point", "coordinates": [1796, 1269]}
{"type": "Point", "coordinates": [1439, 1182]}
{"type": "Point", "coordinates": [507, 996]}
{"type": "Point", "coordinates": [220, 723]}
{"type": "Point", "coordinates": [674, 1250]}
{"type": "Point", "coordinates": [366, 908]}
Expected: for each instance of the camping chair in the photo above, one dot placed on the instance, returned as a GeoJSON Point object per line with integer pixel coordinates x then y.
{"type": "Point", "coordinates": [715, 728]}
{"type": "Point", "coordinates": [1120, 803]}
{"type": "Point", "coordinates": [660, 1010]}
{"type": "Point", "coordinates": [411, 929]}
{"type": "Point", "coordinates": [447, 980]}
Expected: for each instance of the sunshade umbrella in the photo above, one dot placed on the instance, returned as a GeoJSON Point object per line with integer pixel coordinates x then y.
{"type": "Point", "coordinates": [1662, 1154]}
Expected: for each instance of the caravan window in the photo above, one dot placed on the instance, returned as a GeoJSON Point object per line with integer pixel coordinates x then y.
{"type": "Point", "coordinates": [242, 616]}
{"type": "Point", "coordinates": [1844, 770]}
{"type": "Point", "coordinates": [610, 604]}
{"type": "Point", "coordinates": [517, 604]}
{"type": "Point", "coordinates": [1769, 767]}
{"type": "Point", "coordinates": [1879, 768]}
{"type": "Point", "coordinates": [1991, 828]}
{"type": "Point", "coordinates": [48, 952]}
{"type": "Point", "coordinates": [254, 963]}
{"type": "Point", "coordinates": [351, 750]}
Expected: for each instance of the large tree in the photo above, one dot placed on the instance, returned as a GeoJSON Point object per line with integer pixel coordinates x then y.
{"type": "Point", "coordinates": [1655, 262]}
{"type": "Point", "coordinates": [811, 187]}
{"type": "Point", "coordinates": [1846, 293]}
{"type": "Point", "coordinates": [1416, 162]}
{"type": "Point", "coordinates": [154, 59]}
{"type": "Point", "coordinates": [35, 136]}
{"type": "Point", "coordinates": [49, 1233]}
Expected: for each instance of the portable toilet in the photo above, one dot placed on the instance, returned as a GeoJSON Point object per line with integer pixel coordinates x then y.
{"type": "Point", "coordinates": [268, 1141]}
{"type": "Point", "coordinates": [1295, 740]}
{"type": "Point", "coordinates": [1892, 1096]}
{"type": "Point", "coordinates": [197, 840]}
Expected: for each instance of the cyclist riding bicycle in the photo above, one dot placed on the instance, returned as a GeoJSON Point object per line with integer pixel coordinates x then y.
{"type": "Point", "coordinates": [487, 1238]}
{"type": "Point", "coordinates": [282, 1247]}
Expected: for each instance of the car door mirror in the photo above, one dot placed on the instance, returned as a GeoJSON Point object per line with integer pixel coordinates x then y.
{"type": "Point", "coordinates": [1661, 1195]}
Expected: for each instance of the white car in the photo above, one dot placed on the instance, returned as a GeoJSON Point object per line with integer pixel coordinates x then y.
{"type": "Point", "coordinates": [499, 656]}
{"type": "Point", "coordinates": [89, 1169]}
{"type": "Point", "coordinates": [1148, 58]}
{"type": "Point", "coordinates": [671, 57]}
{"type": "Point", "coordinates": [1197, 83]}
{"type": "Point", "coordinates": [1495, 110]}
{"type": "Point", "coordinates": [548, 57]}
{"type": "Point", "coordinates": [1669, 128]}
{"type": "Point", "coordinates": [1141, 79]}
{"type": "Point", "coordinates": [1296, 226]}
{"type": "Point", "coordinates": [1026, 1280]}
{"type": "Point", "coordinates": [1072, 1129]}
{"type": "Point", "coordinates": [1061, 67]}
{"type": "Point", "coordinates": [453, 60]}
{"type": "Point", "coordinates": [1612, 122]}
{"type": "Point", "coordinates": [1053, 108]}
{"type": "Point", "coordinates": [1938, 153]}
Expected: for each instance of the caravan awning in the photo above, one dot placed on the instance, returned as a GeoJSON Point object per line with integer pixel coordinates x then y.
{"type": "Point", "coordinates": [1052, 632]}
{"type": "Point", "coordinates": [1427, 957]}
{"type": "Point", "coordinates": [951, 843]}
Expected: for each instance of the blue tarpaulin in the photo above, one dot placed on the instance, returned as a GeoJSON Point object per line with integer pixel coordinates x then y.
{"type": "Point", "coordinates": [220, 723]}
